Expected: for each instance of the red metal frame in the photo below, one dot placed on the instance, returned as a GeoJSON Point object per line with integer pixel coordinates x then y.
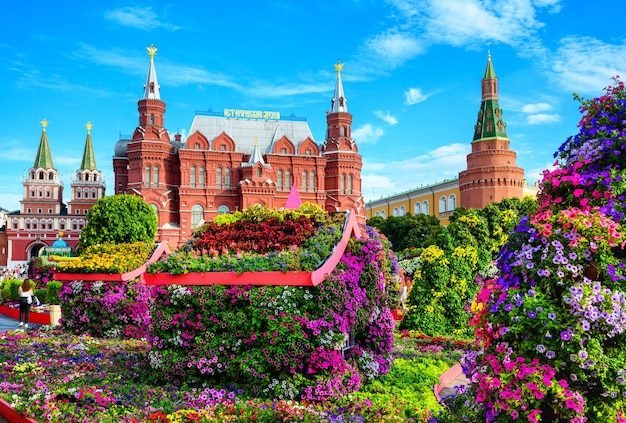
{"type": "Point", "coordinates": [35, 317]}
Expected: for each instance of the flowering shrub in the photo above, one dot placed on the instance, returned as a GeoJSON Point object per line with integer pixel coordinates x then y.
{"type": "Point", "coordinates": [284, 342]}
{"type": "Point", "coordinates": [442, 287]}
{"type": "Point", "coordinates": [105, 309]}
{"type": "Point", "coordinates": [106, 258]}
{"type": "Point", "coordinates": [552, 324]}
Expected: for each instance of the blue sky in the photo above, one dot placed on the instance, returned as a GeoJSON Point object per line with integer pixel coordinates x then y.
{"type": "Point", "coordinates": [411, 76]}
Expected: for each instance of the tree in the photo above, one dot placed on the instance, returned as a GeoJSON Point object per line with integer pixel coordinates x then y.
{"type": "Point", "coordinates": [119, 219]}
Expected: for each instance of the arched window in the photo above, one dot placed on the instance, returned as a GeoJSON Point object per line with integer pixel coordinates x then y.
{"type": "Point", "coordinates": [152, 119]}
{"type": "Point", "coordinates": [258, 172]}
{"type": "Point", "coordinates": [349, 184]}
{"type": "Point", "coordinates": [382, 213]}
{"type": "Point", "coordinates": [227, 178]}
{"type": "Point", "coordinates": [304, 178]}
{"type": "Point", "coordinates": [443, 203]}
{"type": "Point", "coordinates": [342, 184]}
{"type": "Point", "coordinates": [417, 208]}
{"type": "Point", "coordinates": [147, 177]}
{"type": "Point", "coordinates": [395, 211]}
{"type": "Point", "coordinates": [79, 192]}
{"type": "Point", "coordinates": [156, 176]}
{"type": "Point", "coordinates": [192, 177]}
{"type": "Point", "coordinates": [279, 181]}
{"type": "Point", "coordinates": [425, 207]}
{"type": "Point", "coordinates": [287, 180]}
{"type": "Point", "coordinates": [197, 216]}
{"type": "Point", "coordinates": [218, 177]}
{"type": "Point", "coordinates": [402, 211]}
{"type": "Point", "coordinates": [223, 209]}
{"type": "Point", "coordinates": [201, 175]}
{"type": "Point", "coordinates": [312, 182]}
{"type": "Point", "coordinates": [451, 202]}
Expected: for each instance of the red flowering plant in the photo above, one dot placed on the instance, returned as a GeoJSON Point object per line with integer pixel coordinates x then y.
{"type": "Point", "coordinates": [553, 324]}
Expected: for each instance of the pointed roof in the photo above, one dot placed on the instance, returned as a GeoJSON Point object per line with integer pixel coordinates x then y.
{"type": "Point", "coordinates": [489, 72]}
{"type": "Point", "coordinates": [293, 201]}
{"type": "Point", "coordinates": [339, 102]}
{"type": "Point", "coordinates": [256, 156]}
{"type": "Point", "coordinates": [89, 158]}
{"type": "Point", "coordinates": [43, 160]}
{"type": "Point", "coordinates": [152, 90]}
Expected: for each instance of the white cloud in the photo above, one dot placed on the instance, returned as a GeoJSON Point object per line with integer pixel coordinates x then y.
{"type": "Point", "coordinates": [444, 162]}
{"type": "Point", "coordinates": [367, 134]}
{"type": "Point", "coordinates": [393, 48]}
{"type": "Point", "coordinates": [586, 65]}
{"type": "Point", "coordinates": [139, 18]}
{"type": "Point", "coordinates": [536, 108]}
{"type": "Point", "coordinates": [540, 118]}
{"type": "Point", "coordinates": [414, 96]}
{"type": "Point", "coordinates": [391, 120]}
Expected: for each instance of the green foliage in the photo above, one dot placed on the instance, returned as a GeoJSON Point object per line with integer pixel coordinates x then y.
{"type": "Point", "coordinates": [408, 231]}
{"type": "Point", "coordinates": [119, 219]}
{"type": "Point", "coordinates": [52, 292]}
{"type": "Point", "coordinates": [9, 289]}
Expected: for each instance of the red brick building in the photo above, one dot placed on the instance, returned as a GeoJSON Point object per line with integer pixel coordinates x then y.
{"type": "Point", "coordinates": [492, 174]}
{"type": "Point", "coordinates": [234, 159]}
{"type": "Point", "coordinates": [43, 217]}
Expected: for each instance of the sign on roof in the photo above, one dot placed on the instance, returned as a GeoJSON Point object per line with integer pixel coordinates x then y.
{"type": "Point", "coordinates": [251, 114]}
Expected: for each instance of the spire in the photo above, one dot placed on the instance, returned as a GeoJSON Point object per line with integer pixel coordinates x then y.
{"type": "Point", "coordinates": [256, 155]}
{"type": "Point", "coordinates": [339, 102]}
{"type": "Point", "coordinates": [489, 72]}
{"type": "Point", "coordinates": [490, 122]}
{"type": "Point", "coordinates": [89, 158]}
{"type": "Point", "coordinates": [43, 160]}
{"type": "Point", "coordinates": [152, 90]}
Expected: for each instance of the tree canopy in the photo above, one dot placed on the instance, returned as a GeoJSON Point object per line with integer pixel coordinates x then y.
{"type": "Point", "coordinates": [119, 219]}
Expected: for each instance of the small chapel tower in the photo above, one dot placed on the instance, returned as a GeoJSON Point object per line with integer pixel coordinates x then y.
{"type": "Point", "coordinates": [344, 163]}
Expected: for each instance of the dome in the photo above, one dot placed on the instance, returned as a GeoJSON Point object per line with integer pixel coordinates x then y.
{"type": "Point", "coordinates": [121, 148]}
{"type": "Point", "coordinates": [59, 243]}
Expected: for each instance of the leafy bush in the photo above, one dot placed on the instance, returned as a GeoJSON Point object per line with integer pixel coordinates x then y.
{"type": "Point", "coordinates": [119, 219]}
{"type": "Point", "coordinates": [53, 290]}
{"type": "Point", "coordinates": [10, 289]}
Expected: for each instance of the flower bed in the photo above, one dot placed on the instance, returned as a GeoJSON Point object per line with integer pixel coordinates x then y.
{"type": "Point", "coordinates": [117, 263]}
{"type": "Point", "coordinates": [81, 378]}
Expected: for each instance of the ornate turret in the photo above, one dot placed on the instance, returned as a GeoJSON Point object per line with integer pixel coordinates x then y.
{"type": "Point", "coordinates": [343, 165]}
{"type": "Point", "coordinates": [89, 158]}
{"type": "Point", "coordinates": [43, 190]}
{"type": "Point", "coordinates": [43, 159]}
{"type": "Point", "coordinates": [88, 185]}
{"type": "Point", "coordinates": [151, 108]}
{"type": "Point", "coordinates": [490, 123]}
{"type": "Point", "coordinates": [491, 174]}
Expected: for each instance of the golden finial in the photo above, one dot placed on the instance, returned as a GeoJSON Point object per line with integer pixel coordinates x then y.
{"type": "Point", "coordinates": [88, 125]}
{"type": "Point", "coordinates": [338, 67]}
{"type": "Point", "coordinates": [44, 123]}
{"type": "Point", "coordinates": [151, 51]}
{"type": "Point", "coordinates": [256, 141]}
